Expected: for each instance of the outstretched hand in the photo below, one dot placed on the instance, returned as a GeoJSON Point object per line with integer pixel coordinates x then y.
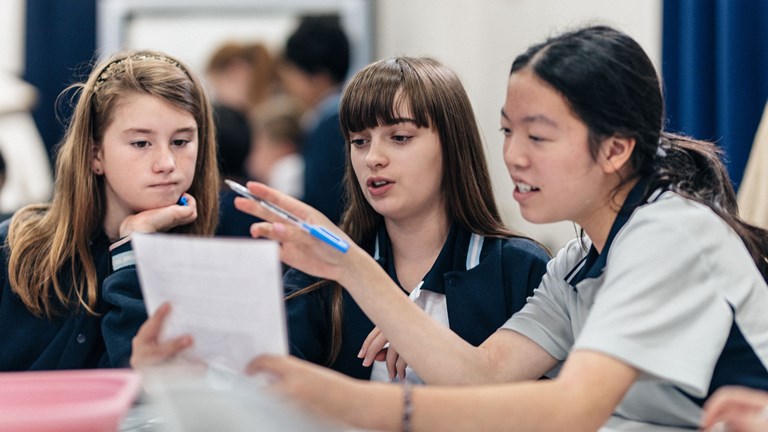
{"type": "Point", "coordinates": [298, 248]}
{"type": "Point", "coordinates": [160, 219]}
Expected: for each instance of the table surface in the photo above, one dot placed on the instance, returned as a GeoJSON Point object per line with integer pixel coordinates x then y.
{"type": "Point", "coordinates": [176, 400]}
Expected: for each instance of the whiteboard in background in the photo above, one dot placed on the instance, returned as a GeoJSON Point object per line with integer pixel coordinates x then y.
{"type": "Point", "coordinates": [192, 29]}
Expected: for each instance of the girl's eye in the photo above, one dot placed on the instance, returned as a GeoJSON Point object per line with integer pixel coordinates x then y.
{"type": "Point", "coordinates": [357, 142]}
{"type": "Point", "coordinates": [180, 142]}
{"type": "Point", "coordinates": [140, 144]}
{"type": "Point", "coordinates": [506, 131]}
{"type": "Point", "coordinates": [401, 138]}
{"type": "Point", "coordinates": [535, 138]}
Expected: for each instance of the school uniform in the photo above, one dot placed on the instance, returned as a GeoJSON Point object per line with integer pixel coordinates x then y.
{"type": "Point", "coordinates": [674, 293]}
{"type": "Point", "coordinates": [482, 280]}
{"type": "Point", "coordinates": [74, 338]}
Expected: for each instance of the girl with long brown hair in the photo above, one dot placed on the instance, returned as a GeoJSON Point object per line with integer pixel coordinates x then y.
{"type": "Point", "coordinates": [140, 141]}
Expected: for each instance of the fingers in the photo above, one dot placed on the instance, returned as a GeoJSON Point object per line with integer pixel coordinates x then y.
{"type": "Point", "coordinates": [391, 360]}
{"type": "Point", "coordinates": [367, 342]}
{"type": "Point", "coordinates": [147, 350]}
{"type": "Point", "coordinates": [400, 366]}
{"type": "Point", "coordinates": [738, 407]}
{"type": "Point", "coordinates": [272, 365]}
{"type": "Point", "coordinates": [374, 349]}
{"type": "Point", "coordinates": [160, 219]}
{"type": "Point", "coordinates": [151, 328]}
{"type": "Point", "coordinates": [166, 350]}
{"type": "Point", "coordinates": [286, 202]}
{"type": "Point", "coordinates": [266, 230]}
{"type": "Point", "coordinates": [165, 218]}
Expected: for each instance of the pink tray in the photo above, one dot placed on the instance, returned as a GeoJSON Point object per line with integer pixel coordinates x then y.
{"type": "Point", "coordinates": [66, 401]}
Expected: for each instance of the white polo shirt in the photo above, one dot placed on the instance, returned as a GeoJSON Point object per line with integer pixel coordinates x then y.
{"type": "Point", "coordinates": [433, 303]}
{"type": "Point", "coordinates": [674, 294]}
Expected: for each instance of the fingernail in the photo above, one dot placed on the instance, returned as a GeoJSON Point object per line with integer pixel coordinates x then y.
{"type": "Point", "coordinates": [360, 354]}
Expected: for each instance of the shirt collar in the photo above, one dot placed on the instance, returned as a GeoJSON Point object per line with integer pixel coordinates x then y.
{"type": "Point", "coordinates": [593, 264]}
{"type": "Point", "coordinates": [455, 244]}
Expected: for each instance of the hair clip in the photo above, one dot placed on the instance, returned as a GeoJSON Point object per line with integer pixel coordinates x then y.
{"type": "Point", "coordinates": [106, 73]}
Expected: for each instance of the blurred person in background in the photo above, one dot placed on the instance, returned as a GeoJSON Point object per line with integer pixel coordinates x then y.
{"type": "Point", "coordinates": [313, 67]}
{"type": "Point", "coordinates": [275, 157]}
{"type": "Point", "coordinates": [240, 76]}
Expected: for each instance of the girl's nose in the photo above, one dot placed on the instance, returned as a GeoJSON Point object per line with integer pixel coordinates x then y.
{"type": "Point", "coordinates": [376, 156]}
{"type": "Point", "coordinates": [164, 160]}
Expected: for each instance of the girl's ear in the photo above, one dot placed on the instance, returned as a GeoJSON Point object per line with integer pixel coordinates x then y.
{"type": "Point", "coordinates": [615, 153]}
{"type": "Point", "coordinates": [96, 163]}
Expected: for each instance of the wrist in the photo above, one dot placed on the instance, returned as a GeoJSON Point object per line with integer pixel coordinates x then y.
{"type": "Point", "coordinates": [356, 266]}
{"type": "Point", "coordinates": [407, 406]}
{"type": "Point", "coordinates": [385, 414]}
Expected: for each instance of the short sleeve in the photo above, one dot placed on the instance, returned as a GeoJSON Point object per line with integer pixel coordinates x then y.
{"type": "Point", "coordinates": [545, 319]}
{"type": "Point", "coordinates": [659, 307]}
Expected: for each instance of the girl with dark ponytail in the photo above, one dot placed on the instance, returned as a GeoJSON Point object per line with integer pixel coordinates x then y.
{"type": "Point", "coordinates": [660, 304]}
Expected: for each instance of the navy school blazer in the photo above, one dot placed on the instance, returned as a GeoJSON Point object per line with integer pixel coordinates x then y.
{"type": "Point", "coordinates": [479, 300]}
{"type": "Point", "coordinates": [73, 339]}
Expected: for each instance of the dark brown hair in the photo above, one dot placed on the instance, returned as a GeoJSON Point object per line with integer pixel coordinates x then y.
{"type": "Point", "coordinates": [611, 85]}
{"type": "Point", "coordinates": [436, 99]}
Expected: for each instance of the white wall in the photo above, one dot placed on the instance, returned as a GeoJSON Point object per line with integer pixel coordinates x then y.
{"type": "Point", "coordinates": [12, 36]}
{"type": "Point", "coordinates": [480, 38]}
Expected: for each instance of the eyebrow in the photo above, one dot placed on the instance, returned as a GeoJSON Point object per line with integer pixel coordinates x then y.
{"type": "Point", "coordinates": [540, 118]}
{"type": "Point", "coordinates": [150, 131]}
{"type": "Point", "coordinates": [537, 118]}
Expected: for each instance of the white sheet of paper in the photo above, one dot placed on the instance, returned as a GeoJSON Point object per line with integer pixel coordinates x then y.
{"type": "Point", "coordinates": [225, 292]}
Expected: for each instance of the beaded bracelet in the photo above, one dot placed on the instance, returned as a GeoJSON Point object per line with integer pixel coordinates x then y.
{"type": "Point", "coordinates": [407, 406]}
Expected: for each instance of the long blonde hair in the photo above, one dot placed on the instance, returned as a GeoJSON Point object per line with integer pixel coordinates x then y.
{"type": "Point", "coordinates": [45, 239]}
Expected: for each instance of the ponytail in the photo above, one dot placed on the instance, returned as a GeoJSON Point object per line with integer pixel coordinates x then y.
{"type": "Point", "coordinates": [694, 169]}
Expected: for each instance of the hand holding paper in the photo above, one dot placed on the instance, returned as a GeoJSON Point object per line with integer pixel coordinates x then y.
{"type": "Point", "coordinates": [226, 293]}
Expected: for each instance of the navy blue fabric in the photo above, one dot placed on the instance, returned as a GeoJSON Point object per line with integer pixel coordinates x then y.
{"type": "Point", "coordinates": [125, 314]}
{"type": "Point", "coordinates": [233, 222]}
{"type": "Point", "coordinates": [715, 68]}
{"type": "Point", "coordinates": [324, 153]}
{"type": "Point", "coordinates": [74, 339]}
{"type": "Point", "coordinates": [60, 40]}
{"type": "Point", "coordinates": [738, 365]}
{"type": "Point", "coordinates": [479, 301]}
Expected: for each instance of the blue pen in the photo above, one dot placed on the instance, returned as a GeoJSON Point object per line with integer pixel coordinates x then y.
{"type": "Point", "coordinates": [316, 230]}
{"type": "Point", "coordinates": [182, 201]}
